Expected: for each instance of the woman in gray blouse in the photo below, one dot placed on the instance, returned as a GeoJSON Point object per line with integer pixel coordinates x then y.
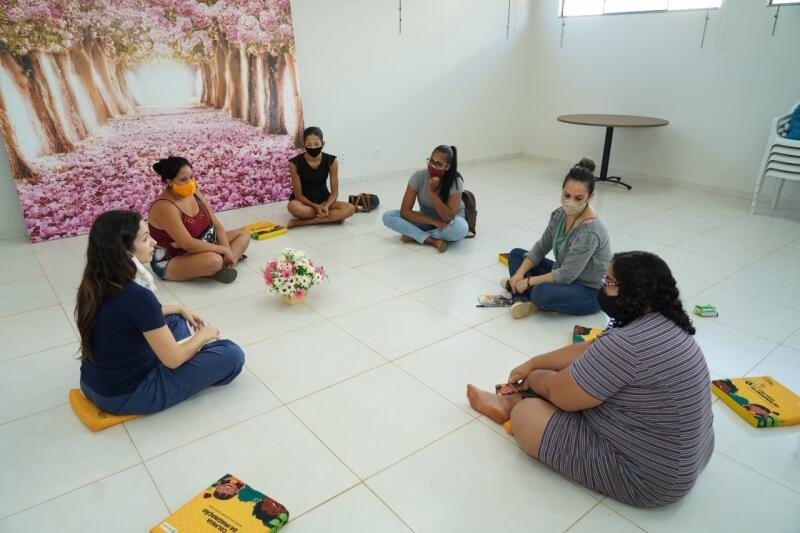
{"type": "Point", "coordinates": [580, 244]}
{"type": "Point", "coordinates": [438, 189]}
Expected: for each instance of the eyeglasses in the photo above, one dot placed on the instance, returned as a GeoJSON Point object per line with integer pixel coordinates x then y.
{"type": "Point", "coordinates": [436, 164]}
{"type": "Point", "coordinates": [608, 282]}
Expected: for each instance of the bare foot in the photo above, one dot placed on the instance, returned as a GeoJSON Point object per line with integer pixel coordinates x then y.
{"type": "Point", "coordinates": [437, 243]}
{"type": "Point", "coordinates": [497, 408]}
{"type": "Point", "coordinates": [406, 238]}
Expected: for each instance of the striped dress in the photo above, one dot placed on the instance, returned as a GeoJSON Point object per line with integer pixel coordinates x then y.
{"type": "Point", "coordinates": [651, 437]}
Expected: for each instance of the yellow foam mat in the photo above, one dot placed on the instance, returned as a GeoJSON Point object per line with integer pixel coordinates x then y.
{"type": "Point", "coordinates": [91, 415]}
{"type": "Point", "coordinates": [264, 229]}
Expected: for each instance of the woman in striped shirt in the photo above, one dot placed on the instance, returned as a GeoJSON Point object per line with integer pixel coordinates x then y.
{"type": "Point", "coordinates": [628, 415]}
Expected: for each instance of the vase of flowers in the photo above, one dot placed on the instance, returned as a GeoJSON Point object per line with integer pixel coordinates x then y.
{"type": "Point", "coordinates": [291, 275]}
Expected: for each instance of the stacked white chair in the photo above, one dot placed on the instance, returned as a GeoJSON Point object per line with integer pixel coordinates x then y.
{"type": "Point", "coordinates": [781, 159]}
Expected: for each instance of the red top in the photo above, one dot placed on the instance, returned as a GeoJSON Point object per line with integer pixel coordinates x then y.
{"type": "Point", "coordinates": [196, 226]}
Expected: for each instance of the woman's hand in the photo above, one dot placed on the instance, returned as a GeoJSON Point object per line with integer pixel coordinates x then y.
{"type": "Point", "coordinates": [207, 334]}
{"type": "Point", "coordinates": [192, 318]}
{"type": "Point", "coordinates": [322, 211]}
{"type": "Point", "coordinates": [520, 373]}
{"type": "Point", "coordinates": [433, 186]}
{"type": "Point", "coordinates": [520, 286]}
{"type": "Point", "coordinates": [228, 259]}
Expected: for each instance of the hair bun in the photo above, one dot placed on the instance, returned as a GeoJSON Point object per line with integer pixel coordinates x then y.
{"type": "Point", "coordinates": [586, 164]}
{"type": "Point", "coordinates": [159, 166]}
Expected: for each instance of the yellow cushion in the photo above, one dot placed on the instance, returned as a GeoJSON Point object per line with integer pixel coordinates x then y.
{"type": "Point", "coordinates": [91, 415]}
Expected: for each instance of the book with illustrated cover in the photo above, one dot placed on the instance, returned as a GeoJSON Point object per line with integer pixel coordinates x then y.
{"type": "Point", "coordinates": [503, 258]}
{"type": "Point", "coordinates": [584, 334]}
{"type": "Point", "coordinates": [762, 401]}
{"type": "Point", "coordinates": [228, 506]}
{"type": "Point", "coordinates": [494, 300]}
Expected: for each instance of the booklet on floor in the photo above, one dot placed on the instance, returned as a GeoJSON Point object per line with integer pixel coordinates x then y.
{"type": "Point", "coordinates": [762, 401]}
{"type": "Point", "coordinates": [585, 334]}
{"type": "Point", "coordinates": [493, 300]}
{"type": "Point", "coordinates": [228, 505]}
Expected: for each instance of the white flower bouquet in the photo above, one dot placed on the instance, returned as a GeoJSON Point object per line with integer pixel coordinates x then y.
{"type": "Point", "coordinates": [291, 275]}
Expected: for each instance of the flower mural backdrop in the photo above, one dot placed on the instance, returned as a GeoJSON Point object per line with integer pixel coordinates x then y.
{"type": "Point", "coordinates": [93, 92]}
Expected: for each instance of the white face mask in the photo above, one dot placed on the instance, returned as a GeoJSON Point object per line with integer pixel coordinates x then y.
{"type": "Point", "coordinates": [573, 208]}
{"type": "Point", "coordinates": [143, 276]}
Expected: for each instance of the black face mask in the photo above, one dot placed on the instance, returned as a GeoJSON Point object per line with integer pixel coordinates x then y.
{"type": "Point", "coordinates": [608, 304]}
{"type": "Point", "coordinates": [314, 152]}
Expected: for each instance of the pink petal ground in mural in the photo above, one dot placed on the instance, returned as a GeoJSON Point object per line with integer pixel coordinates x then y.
{"type": "Point", "coordinates": [236, 165]}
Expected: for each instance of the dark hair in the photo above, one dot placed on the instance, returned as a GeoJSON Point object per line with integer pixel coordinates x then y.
{"type": "Point", "coordinates": [108, 269]}
{"type": "Point", "coordinates": [583, 172]}
{"type": "Point", "coordinates": [312, 130]}
{"type": "Point", "coordinates": [646, 284]}
{"type": "Point", "coordinates": [168, 168]}
{"type": "Point", "coordinates": [451, 154]}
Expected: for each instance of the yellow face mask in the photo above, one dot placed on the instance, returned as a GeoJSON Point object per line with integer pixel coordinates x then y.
{"type": "Point", "coordinates": [187, 189]}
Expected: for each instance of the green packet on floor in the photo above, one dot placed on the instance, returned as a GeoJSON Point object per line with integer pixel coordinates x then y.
{"type": "Point", "coordinates": [705, 310]}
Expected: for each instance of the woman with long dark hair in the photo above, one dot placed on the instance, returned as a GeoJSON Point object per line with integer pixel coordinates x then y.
{"type": "Point", "coordinates": [580, 245]}
{"type": "Point", "coordinates": [191, 242]}
{"type": "Point", "coordinates": [132, 360]}
{"type": "Point", "coordinates": [629, 414]}
{"type": "Point", "coordinates": [438, 190]}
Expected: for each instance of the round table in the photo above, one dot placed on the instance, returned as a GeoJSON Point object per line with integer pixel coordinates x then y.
{"type": "Point", "coordinates": [609, 122]}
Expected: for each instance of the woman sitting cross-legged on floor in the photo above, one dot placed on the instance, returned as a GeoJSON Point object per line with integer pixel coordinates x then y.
{"type": "Point", "coordinates": [311, 202]}
{"type": "Point", "coordinates": [629, 414]}
{"type": "Point", "coordinates": [438, 189]}
{"type": "Point", "coordinates": [191, 241]}
{"type": "Point", "coordinates": [582, 250]}
{"type": "Point", "coordinates": [131, 360]}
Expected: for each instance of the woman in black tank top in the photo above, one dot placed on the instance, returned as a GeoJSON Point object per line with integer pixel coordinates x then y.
{"type": "Point", "coordinates": [312, 202]}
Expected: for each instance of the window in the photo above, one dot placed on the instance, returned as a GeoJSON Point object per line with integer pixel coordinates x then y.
{"type": "Point", "coordinates": [782, 2]}
{"type": "Point", "coordinates": [575, 8]}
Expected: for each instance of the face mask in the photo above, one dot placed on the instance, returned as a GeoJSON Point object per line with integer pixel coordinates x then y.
{"type": "Point", "coordinates": [608, 304]}
{"type": "Point", "coordinates": [314, 152]}
{"type": "Point", "coordinates": [143, 276]}
{"type": "Point", "coordinates": [573, 208]}
{"type": "Point", "coordinates": [187, 189]}
{"type": "Point", "coordinates": [436, 172]}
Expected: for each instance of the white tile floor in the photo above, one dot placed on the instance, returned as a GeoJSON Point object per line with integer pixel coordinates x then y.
{"type": "Point", "coordinates": [351, 409]}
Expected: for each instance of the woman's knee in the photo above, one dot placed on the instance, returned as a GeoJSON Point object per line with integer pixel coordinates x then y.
{"type": "Point", "coordinates": [212, 262]}
{"type": "Point", "coordinates": [389, 216]}
{"type": "Point", "coordinates": [529, 419]}
{"type": "Point", "coordinates": [459, 228]}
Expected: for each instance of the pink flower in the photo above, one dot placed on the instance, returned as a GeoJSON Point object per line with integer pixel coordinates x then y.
{"type": "Point", "coordinates": [300, 293]}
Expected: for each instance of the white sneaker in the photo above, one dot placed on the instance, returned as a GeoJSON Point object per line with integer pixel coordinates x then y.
{"type": "Point", "coordinates": [504, 284]}
{"type": "Point", "coordinates": [523, 308]}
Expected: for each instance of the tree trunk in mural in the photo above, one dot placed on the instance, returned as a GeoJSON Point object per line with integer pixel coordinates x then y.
{"type": "Point", "coordinates": [234, 90]}
{"type": "Point", "coordinates": [274, 100]}
{"type": "Point", "coordinates": [218, 60]}
{"type": "Point", "coordinates": [63, 69]}
{"type": "Point", "coordinates": [205, 73]}
{"type": "Point", "coordinates": [252, 89]}
{"type": "Point", "coordinates": [85, 73]}
{"type": "Point", "coordinates": [19, 167]}
{"type": "Point", "coordinates": [122, 79]}
{"type": "Point", "coordinates": [107, 78]}
{"type": "Point", "coordinates": [26, 72]}
{"type": "Point", "coordinates": [291, 71]}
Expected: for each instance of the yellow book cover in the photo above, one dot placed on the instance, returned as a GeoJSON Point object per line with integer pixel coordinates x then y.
{"type": "Point", "coordinates": [503, 258]}
{"type": "Point", "coordinates": [227, 506]}
{"type": "Point", "coordinates": [584, 334]}
{"type": "Point", "coordinates": [762, 401]}
{"type": "Point", "coordinates": [264, 229]}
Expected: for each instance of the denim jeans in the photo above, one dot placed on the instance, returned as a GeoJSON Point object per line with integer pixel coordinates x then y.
{"type": "Point", "coordinates": [570, 298]}
{"type": "Point", "coordinates": [217, 363]}
{"type": "Point", "coordinates": [456, 230]}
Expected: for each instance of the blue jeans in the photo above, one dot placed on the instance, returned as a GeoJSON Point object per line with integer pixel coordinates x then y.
{"type": "Point", "coordinates": [456, 230]}
{"type": "Point", "coordinates": [217, 363]}
{"type": "Point", "coordinates": [570, 299]}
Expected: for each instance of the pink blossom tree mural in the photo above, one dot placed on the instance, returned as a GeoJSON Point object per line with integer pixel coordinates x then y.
{"type": "Point", "coordinates": [88, 103]}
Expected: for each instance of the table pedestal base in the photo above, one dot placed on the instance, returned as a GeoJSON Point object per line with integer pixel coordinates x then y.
{"type": "Point", "coordinates": [606, 157]}
{"type": "Point", "coordinates": [613, 179]}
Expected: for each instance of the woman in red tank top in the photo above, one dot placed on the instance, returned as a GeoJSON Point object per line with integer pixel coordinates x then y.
{"type": "Point", "coordinates": [190, 241]}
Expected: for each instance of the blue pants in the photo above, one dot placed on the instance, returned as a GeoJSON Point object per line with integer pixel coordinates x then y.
{"type": "Point", "coordinates": [570, 299]}
{"type": "Point", "coordinates": [455, 231]}
{"type": "Point", "coordinates": [217, 363]}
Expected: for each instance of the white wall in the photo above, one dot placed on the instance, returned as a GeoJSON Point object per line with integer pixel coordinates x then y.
{"type": "Point", "coordinates": [451, 77]}
{"type": "Point", "coordinates": [719, 99]}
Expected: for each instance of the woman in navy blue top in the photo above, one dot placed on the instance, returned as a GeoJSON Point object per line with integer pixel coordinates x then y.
{"type": "Point", "coordinates": [132, 362]}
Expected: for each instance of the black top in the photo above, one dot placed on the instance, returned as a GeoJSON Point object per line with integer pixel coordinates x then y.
{"type": "Point", "coordinates": [314, 181]}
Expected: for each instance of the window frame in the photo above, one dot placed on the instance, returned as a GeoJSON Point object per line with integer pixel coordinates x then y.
{"type": "Point", "coordinates": [771, 3]}
{"type": "Point", "coordinates": [648, 11]}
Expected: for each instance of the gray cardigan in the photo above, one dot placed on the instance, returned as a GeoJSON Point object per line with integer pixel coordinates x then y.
{"type": "Point", "coordinates": [584, 255]}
